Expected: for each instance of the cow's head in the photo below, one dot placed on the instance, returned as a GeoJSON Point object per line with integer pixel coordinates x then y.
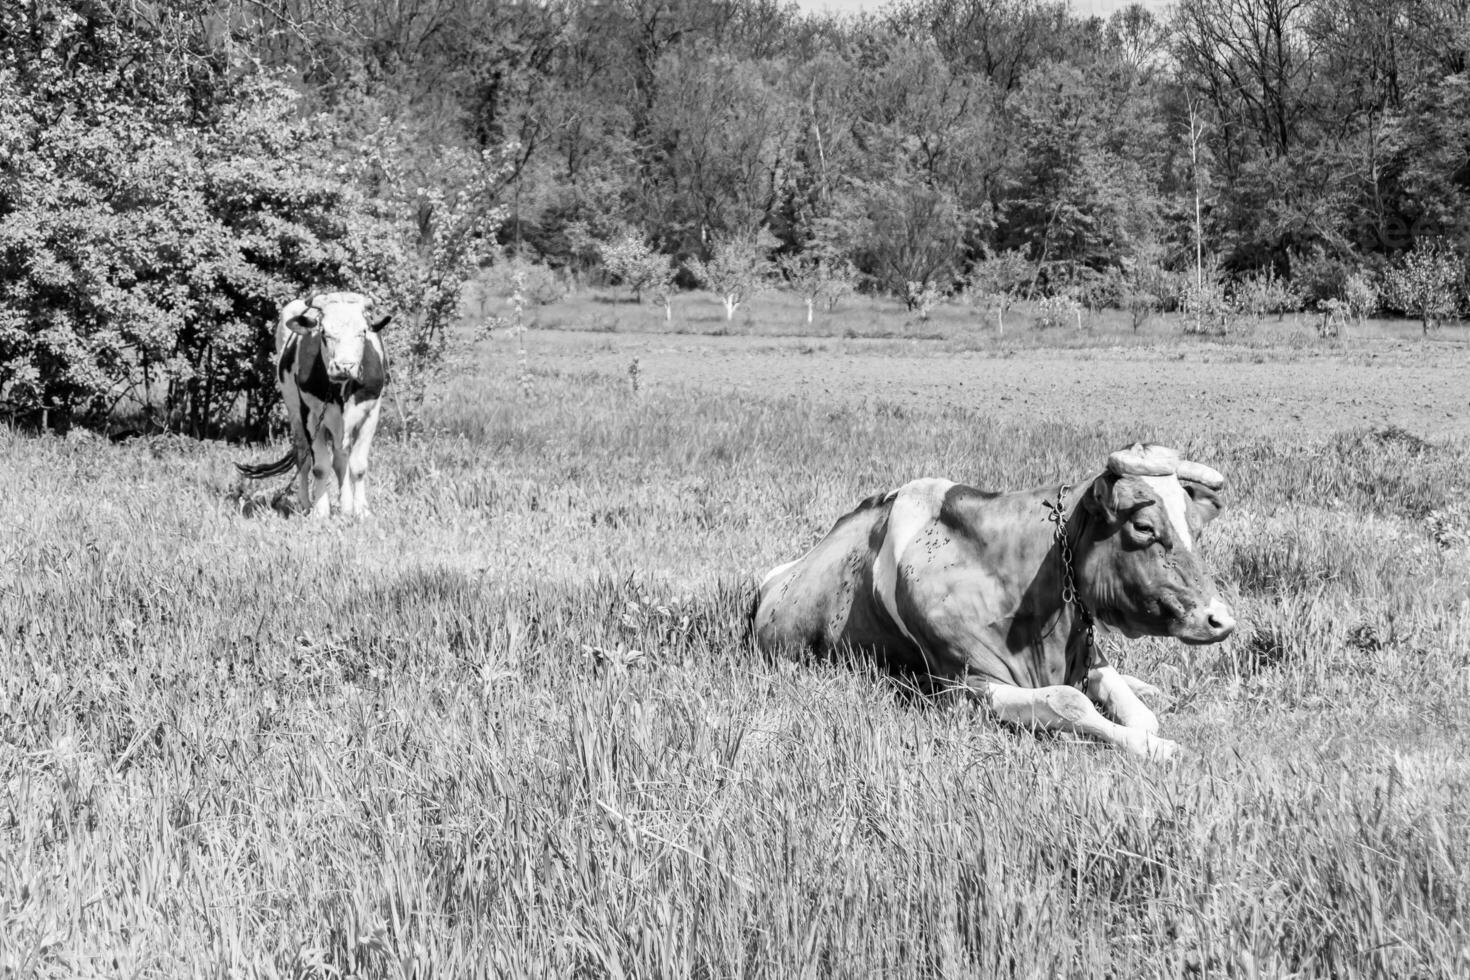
{"type": "Point", "coordinates": [1139, 563]}
{"type": "Point", "coordinates": [341, 323]}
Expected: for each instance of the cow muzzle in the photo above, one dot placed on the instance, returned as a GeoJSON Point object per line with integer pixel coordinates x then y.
{"type": "Point", "coordinates": [340, 371]}
{"type": "Point", "coordinates": [1209, 623]}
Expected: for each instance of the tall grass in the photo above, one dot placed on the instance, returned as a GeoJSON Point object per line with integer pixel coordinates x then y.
{"type": "Point", "coordinates": [512, 726]}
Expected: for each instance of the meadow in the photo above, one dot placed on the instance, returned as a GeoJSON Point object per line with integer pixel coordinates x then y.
{"type": "Point", "coordinates": [511, 725]}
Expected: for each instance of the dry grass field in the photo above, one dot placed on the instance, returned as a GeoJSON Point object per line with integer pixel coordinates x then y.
{"type": "Point", "coordinates": [510, 726]}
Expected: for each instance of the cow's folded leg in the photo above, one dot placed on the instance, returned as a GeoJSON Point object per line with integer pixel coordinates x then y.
{"type": "Point", "coordinates": [1141, 688]}
{"type": "Point", "coordinates": [1066, 709]}
{"type": "Point", "coordinates": [1120, 699]}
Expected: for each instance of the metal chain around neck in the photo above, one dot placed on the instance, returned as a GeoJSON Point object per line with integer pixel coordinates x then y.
{"type": "Point", "coordinates": [1070, 596]}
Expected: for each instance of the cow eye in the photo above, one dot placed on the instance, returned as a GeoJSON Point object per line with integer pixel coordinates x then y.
{"type": "Point", "coordinates": [1143, 527]}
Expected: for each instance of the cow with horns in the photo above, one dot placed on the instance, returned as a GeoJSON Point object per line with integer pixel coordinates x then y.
{"type": "Point", "coordinates": [999, 592]}
{"type": "Point", "coordinates": [331, 368]}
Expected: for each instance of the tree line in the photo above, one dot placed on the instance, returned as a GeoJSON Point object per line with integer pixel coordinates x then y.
{"type": "Point", "coordinates": [170, 169]}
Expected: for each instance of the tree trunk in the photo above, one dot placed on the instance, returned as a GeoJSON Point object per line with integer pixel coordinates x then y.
{"type": "Point", "coordinates": [1000, 319]}
{"type": "Point", "coordinates": [810, 301]}
{"type": "Point", "coordinates": [668, 310]}
{"type": "Point", "coordinates": [730, 303]}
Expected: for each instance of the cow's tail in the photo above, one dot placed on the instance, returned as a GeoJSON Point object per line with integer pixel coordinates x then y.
{"type": "Point", "coordinates": [260, 471]}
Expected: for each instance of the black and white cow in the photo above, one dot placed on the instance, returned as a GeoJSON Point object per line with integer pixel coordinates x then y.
{"type": "Point", "coordinates": [331, 367]}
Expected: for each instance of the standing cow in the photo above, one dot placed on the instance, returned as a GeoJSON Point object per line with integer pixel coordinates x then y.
{"type": "Point", "coordinates": [331, 367]}
{"type": "Point", "coordinates": [1000, 592]}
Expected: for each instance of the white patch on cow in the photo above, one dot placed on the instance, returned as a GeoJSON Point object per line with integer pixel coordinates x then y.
{"type": "Point", "coordinates": [914, 507]}
{"type": "Point", "coordinates": [774, 573]}
{"type": "Point", "coordinates": [1176, 506]}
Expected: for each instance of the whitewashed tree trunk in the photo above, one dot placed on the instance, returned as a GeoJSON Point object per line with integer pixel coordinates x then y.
{"type": "Point", "coordinates": [730, 304]}
{"type": "Point", "coordinates": [810, 302]}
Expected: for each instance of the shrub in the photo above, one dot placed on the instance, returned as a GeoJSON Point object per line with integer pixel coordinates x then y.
{"type": "Point", "coordinates": [1318, 276]}
{"type": "Point", "coordinates": [1205, 309]}
{"type": "Point", "coordinates": [922, 297]}
{"type": "Point", "coordinates": [540, 284]}
{"type": "Point", "coordinates": [738, 266]}
{"type": "Point", "coordinates": [633, 261]}
{"type": "Point", "coordinates": [1059, 311]}
{"type": "Point", "coordinates": [817, 279]}
{"type": "Point", "coordinates": [1361, 294]}
{"type": "Point", "coordinates": [155, 215]}
{"type": "Point", "coordinates": [147, 254]}
{"type": "Point", "coordinates": [998, 281]}
{"type": "Point", "coordinates": [1261, 294]}
{"type": "Point", "coordinates": [1424, 282]}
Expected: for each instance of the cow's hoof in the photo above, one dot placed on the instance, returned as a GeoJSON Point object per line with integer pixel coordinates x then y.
{"type": "Point", "coordinates": [1162, 750]}
{"type": "Point", "coordinates": [1153, 748]}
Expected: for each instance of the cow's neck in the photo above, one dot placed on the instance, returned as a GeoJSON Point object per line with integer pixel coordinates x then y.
{"type": "Point", "coordinates": [1055, 633]}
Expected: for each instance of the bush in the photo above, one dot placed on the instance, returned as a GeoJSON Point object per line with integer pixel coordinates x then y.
{"type": "Point", "coordinates": [1318, 276]}
{"type": "Point", "coordinates": [1205, 309]}
{"type": "Point", "coordinates": [1424, 282]}
{"type": "Point", "coordinates": [1261, 294]}
{"type": "Point", "coordinates": [540, 285]}
{"type": "Point", "coordinates": [1059, 311]}
{"type": "Point", "coordinates": [155, 214]}
{"type": "Point", "coordinates": [1361, 295]}
{"type": "Point", "coordinates": [818, 278]}
{"type": "Point", "coordinates": [997, 282]}
{"type": "Point", "coordinates": [738, 266]}
{"type": "Point", "coordinates": [922, 298]}
{"type": "Point", "coordinates": [634, 262]}
{"type": "Point", "coordinates": [148, 255]}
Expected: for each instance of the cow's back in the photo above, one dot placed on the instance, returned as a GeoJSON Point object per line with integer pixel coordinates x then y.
{"type": "Point", "coordinates": [824, 602]}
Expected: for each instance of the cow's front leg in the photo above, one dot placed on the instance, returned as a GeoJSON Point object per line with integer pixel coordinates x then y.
{"type": "Point", "coordinates": [321, 472]}
{"type": "Point", "coordinates": [1120, 698]}
{"type": "Point", "coordinates": [1066, 709]}
{"type": "Point", "coordinates": [304, 462]}
{"type": "Point", "coordinates": [357, 457]}
{"type": "Point", "coordinates": [347, 497]}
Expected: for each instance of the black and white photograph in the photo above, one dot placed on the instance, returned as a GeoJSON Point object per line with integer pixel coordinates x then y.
{"type": "Point", "coordinates": [735, 489]}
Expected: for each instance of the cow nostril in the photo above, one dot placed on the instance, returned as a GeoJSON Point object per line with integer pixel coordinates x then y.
{"type": "Point", "coordinates": [1220, 622]}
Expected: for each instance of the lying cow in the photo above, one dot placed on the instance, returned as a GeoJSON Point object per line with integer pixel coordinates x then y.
{"type": "Point", "coordinates": [999, 592]}
{"type": "Point", "coordinates": [331, 368]}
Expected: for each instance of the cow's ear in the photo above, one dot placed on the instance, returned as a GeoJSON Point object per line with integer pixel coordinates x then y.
{"type": "Point", "coordinates": [1205, 504]}
{"type": "Point", "coordinates": [1114, 497]}
{"type": "Point", "coordinates": [308, 322]}
{"type": "Point", "coordinates": [379, 322]}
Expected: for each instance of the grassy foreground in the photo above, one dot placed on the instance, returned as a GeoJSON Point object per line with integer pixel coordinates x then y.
{"type": "Point", "coordinates": [510, 726]}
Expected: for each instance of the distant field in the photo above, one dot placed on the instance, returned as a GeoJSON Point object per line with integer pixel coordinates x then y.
{"type": "Point", "coordinates": [781, 313]}
{"type": "Point", "coordinates": [510, 727]}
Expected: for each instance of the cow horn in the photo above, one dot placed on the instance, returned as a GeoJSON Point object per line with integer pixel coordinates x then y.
{"type": "Point", "coordinates": [1202, 474]}
{"type": "Point", "coordinates": [1141, 460]}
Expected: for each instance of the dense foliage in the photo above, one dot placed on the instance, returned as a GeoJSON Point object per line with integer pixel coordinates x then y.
{"type": "Point", "coordinates": [1295, 141]}
{"type": "Point", "coordinates": [161, 195]}
{"type": "Point", "coordinates": [170, 170]}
